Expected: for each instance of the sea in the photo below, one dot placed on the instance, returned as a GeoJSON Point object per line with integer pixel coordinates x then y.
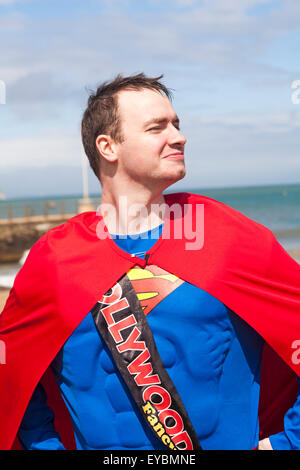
{"type": "Point", "coordinates": [277, 207]}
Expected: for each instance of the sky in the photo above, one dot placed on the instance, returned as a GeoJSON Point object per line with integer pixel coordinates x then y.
{"type": "Point", "coordinates": [232, 66]}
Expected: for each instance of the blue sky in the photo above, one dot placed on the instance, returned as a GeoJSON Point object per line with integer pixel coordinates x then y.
{"type": "Point", "coordinates": [230, 63]}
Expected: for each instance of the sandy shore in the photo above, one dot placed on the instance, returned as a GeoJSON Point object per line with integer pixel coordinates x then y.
{"type": "Point", "coordinates": [3, 296]}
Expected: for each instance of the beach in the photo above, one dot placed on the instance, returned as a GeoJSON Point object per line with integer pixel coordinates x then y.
{"type": "Point", "coordinates": [3, 296]}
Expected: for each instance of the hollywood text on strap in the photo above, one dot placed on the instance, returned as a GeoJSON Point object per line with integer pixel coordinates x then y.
{"type": "Point", "coordinates": [122, 324]}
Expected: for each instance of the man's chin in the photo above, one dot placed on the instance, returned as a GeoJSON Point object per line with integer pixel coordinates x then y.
{"type": "Point", "coordinates": [179, 174]}
{"type": "Point", "coordinates": [173, 177]}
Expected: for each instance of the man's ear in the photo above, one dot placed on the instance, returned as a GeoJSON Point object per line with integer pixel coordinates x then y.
{"type": "Point", "coordinates": [106, 147]}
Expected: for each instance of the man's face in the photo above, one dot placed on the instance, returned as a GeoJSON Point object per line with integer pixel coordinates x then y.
{"type": "Point", "coordinates": [152, 152]}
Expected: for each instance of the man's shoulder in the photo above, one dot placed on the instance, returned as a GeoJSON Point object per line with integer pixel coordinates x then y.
{"type": "Point", "coordinates": [185, 198]}
{"type": "Point", "coordinates": [76, 223]}
{"type": "Point", "coordinates": [193, 198]}
{"type": "Point", "coordinates": [57, 247]}
{"type": "Point", "coordinates": [219, 213]}
{"type": "Point", "coordinates": [66, 236]}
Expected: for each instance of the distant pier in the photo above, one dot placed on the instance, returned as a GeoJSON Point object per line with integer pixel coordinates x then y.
{"type": "Point", "coordinates": [23, 223]}
{"type": "Point", "coordinates": [36, 219]}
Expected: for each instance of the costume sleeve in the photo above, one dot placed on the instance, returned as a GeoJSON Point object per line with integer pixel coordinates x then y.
{"type": "Point", "coordinates": [289, 439]}
{"type": "Point", "coordinates": [37, 431]}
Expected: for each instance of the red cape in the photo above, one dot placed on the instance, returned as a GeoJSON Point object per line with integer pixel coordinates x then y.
{"type": "Point", "coordinates": [69, 268]}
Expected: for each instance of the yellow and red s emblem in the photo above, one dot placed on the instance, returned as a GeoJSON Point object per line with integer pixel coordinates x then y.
{"type": "Point", "coordinates": [152, 284]}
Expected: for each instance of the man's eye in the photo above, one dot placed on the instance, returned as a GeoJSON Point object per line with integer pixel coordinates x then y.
{"type": "Point", "coordinates": [154, 128]}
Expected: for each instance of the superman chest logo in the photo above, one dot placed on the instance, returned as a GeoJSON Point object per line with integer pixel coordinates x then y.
{"type": "Point", "coordinates": [152, 284]}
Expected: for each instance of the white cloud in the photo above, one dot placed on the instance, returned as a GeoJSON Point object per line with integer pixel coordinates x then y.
{"type": "Point", "coordinates": [14, 2]}
{"type": "Point", "coordinates": [218, 37]}
{"type": "Point", "coordinates": [261, 123]}
{"type": "Point", "coordinates": [40, 152]}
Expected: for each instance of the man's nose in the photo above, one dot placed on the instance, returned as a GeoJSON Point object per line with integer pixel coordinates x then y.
{"type": "Point", "coordinates": [176, 137]}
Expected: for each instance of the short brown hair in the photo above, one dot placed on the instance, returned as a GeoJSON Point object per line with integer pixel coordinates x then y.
{"type": "Point", "coordinates": [102, 114]}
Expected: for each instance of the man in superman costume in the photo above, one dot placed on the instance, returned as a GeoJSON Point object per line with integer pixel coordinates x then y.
{"type": "Point", "coordinates": [154, 340]}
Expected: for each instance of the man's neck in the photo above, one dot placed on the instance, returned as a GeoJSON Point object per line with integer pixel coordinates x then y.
{"type": "Point", "coordinates": [128, 213]}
